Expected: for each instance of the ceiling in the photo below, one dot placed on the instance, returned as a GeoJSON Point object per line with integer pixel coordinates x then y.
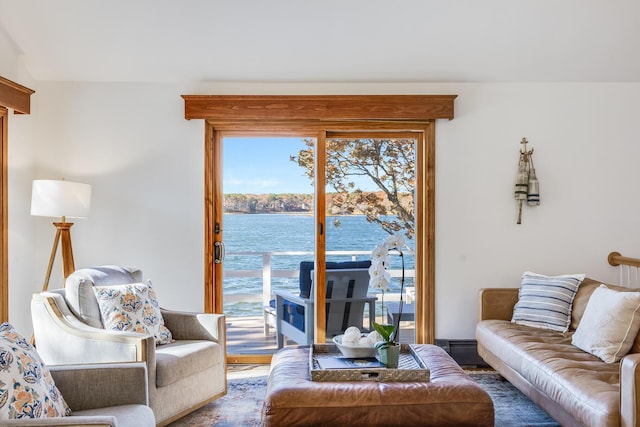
{"type": "Point", "coordinates": [326, 40]}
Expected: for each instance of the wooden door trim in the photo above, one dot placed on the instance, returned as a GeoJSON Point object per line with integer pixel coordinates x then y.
{"type": "Point", "coordinates": [18, 98]}
{"type": "Point", "coordinates": [15, 96]}
{"type": "Point", "coordinates": [318, 107]}
{"type": "Point", "coordinates": [320, 210]}
{"type": "Point", "coordinates": [291, 115]}
{"type": "Point", "coordinates": [426, 229]}
{"type": "Point", "coordinates": [4, 245]}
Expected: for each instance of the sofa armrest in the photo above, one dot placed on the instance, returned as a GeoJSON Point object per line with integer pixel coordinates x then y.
{"type": "Point", "coordinates": [59, 334]}
{"type": "Point", "coordinates": [629, 390]}
{"type": "Point", "coordinates": [496, 303]}
{"type": "Point", "coordinates": [100, 385]}
{"type": "Point", "coordinates": [84, 421]}
{"type": "Point", "coordinates": [195, 326]}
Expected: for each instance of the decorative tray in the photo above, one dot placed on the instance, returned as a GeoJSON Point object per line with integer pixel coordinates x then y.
{"type": "Point", "coordinates": [326, 363]}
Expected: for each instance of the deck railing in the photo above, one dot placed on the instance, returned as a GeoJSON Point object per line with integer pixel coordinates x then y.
{"type": "Point", "coordinates": [267, 273]}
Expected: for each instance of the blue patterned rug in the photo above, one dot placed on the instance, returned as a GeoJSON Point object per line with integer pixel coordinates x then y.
{"type": "Point", "coordinates": [512, 408]}
{"type": "Point", "coordinates": [243, 404]}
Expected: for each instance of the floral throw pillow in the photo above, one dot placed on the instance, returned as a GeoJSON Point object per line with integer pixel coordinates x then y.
{"type": "Point", "coordinates": [27, 389]}
{"type": "Point", "coordinates": [134, 308]}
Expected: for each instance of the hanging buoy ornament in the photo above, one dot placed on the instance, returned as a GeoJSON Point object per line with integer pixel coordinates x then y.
{"type": "Point", "coordinates": [527, 186]}
{"type": "Point", "coordinates": [533, 189]}
{"type": "Point", "coordinates": [522, 185]}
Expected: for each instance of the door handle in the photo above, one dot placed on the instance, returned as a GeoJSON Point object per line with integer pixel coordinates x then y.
{"type": "Point", "coordinates": [218, 252]}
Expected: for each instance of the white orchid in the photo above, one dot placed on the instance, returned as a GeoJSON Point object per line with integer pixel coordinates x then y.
{"type": "Point", "coordinates": [395, 241]}
{"type": "Point", "coordinates": [379, 283]}
{"type": "Point", "coordinates": [379, 277]}
{"type": "Point", "coordinates": [380, 255]}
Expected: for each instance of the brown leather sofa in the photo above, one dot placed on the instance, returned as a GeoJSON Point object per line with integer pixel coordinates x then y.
{"type": "Point", "coordinates": [573, 386]}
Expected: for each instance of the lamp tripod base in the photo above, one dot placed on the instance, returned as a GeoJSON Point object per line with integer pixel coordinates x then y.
{"type": "Point", "coordinates": [63, 233]}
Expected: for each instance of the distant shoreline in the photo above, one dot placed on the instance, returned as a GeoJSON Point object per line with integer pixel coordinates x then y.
{"type": "Point", "coordinates": [295, 203]}
{"type": "Point", "coordinates": [307, 213]}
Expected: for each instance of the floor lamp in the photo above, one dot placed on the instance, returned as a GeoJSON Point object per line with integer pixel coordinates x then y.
{"type": "Point", "coordinates": [61, 199]}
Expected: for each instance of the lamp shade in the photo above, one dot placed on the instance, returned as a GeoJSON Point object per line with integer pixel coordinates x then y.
{"type": "Point", "coordinates": [60, 199]}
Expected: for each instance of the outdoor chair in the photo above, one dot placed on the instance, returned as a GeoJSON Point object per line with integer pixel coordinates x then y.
{"type": "Point", "coordinates": [346, 297]}
{"type": "Point", "coordinates": [304, 280]}
{"type": "Point", "coordinates": [183, 375]}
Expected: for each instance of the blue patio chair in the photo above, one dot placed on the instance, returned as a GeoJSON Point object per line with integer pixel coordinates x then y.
{"type": "Point", "coordinates": [346, 297]}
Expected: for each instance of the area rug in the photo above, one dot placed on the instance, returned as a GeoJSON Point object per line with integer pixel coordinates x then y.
{"type": "Point", "coordinates": [243, 404]}
{"type": "Point", "coordinates": [512, 408]}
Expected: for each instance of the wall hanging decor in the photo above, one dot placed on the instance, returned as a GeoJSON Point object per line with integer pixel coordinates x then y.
{"type": "Point", "coordinates": [527, 186]}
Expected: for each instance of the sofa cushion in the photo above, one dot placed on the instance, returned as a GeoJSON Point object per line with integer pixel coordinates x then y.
{"type": "Point", "coordinates": [587, 287]}
{"type": "Point", "coordinates": [581, 300]}
{"type": "Point", "coordinates": [27, 389]}
{"type": "Point", "coordinates": [125, 415]}
{"type": "Point", "coordinates": [184, 358]}
{"type": "Point", "coordinates": [609, 325]}
{"type": "Point", "coordinates": [79, 289]}
{"type": "Point", "coordinates": [579, 382]}
{"type": "Point", "coordinates": [545, 302]}
{"type": "Point", "coordinates": [132, 307]}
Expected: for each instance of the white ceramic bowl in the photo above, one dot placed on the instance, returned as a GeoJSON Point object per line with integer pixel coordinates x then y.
{"type": "Point", "coordinates": [354, 351]}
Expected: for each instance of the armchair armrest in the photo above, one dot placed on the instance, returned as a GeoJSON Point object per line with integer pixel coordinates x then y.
{"type": "Point", "coordinates": [86, 387]}
{"type": "Point", "coordinates": [367, 299]}
{"type": "Point", "coordinates": [496, 303]}
{"type": "Point", "coordinates": [97, 386]}
{"type": "Point", "coordinates": [59, 334]}
{"type": "Point", "coordinates": [285, 328]}
{"type": "Point", "coordinates": [630, 390]}
{"type": "Point", "coordinates": [291, 297]}
{"type": "Point", "coordinates": [83, 421]}
{"type": "Point", "coordinates": [195, 326]}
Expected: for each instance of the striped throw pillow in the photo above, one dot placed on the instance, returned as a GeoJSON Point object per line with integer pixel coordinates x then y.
{"type": "Point", "coordinates": [545, 302]}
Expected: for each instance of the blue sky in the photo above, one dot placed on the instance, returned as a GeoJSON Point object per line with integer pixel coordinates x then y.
{"type": "Point", "coordinates": [258, 165]}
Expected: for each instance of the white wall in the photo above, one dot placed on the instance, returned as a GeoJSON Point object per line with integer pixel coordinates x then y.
{"type": "Point", "coordinates": [145, 163]}
{"type": "Point", "coordinates": [585, 151]}
{"type": "Point", "coordinates": [20, 171]}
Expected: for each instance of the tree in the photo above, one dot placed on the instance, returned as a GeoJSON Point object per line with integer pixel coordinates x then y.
{"type": "Point", "coordinates": [387, 163]}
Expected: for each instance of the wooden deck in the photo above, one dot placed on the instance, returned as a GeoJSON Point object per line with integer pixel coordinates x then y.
{"type": "Point", "coordinates": [245, 335]}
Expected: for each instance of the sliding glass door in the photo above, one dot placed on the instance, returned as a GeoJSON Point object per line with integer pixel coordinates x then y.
{"type": "Point", "coordinates": [269, 216]}
{"type": "Point", "coordinates": [349, 191]}
{"type": "Point", "coordinates": [370, 195]}
{"type": "Point", "coordinates": [268, 230]}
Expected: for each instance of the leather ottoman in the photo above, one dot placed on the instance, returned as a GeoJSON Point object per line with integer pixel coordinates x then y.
{"type": "Point", "coordinates": [451, 398]}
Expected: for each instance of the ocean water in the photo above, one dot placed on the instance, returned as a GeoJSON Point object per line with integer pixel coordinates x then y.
{"type": "Point", "coordinates": [263, 233]}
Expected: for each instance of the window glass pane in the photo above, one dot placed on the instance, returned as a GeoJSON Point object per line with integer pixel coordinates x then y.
{"type": "Point", "coordinates": [268, 230]}
{"type": "Point", "coordinates": [370, 186]}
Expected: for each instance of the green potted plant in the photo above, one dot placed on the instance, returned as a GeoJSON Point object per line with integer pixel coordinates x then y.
{"type": "Point", "coordinates": [379, 278]}
{"type": "Point", "coordinates": [388, 349]}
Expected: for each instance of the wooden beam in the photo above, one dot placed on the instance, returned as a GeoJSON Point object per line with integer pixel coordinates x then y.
{"type": "Point", "coordinates": [18, 98]}
{"type": "Point", "coordinates": [4, 218]}
{"type": "Point", "coordinates": [323, 107]}
{"type": "Point", "coordinates": [15, 96]}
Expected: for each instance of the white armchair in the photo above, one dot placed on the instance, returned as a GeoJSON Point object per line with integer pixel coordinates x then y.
{"type": "Point", "coordinates": [184, 375]}
{"type": "Point", "coordinates": [109, 395]}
